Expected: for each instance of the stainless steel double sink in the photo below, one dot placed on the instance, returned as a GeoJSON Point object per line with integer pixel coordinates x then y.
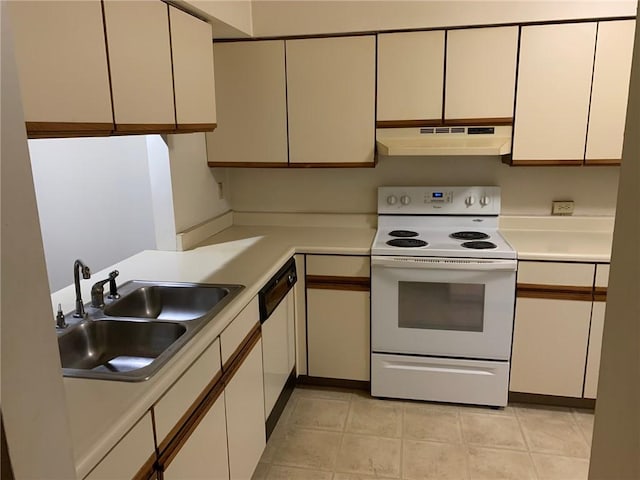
{"type": "Point", "coordinates": [132, 337]}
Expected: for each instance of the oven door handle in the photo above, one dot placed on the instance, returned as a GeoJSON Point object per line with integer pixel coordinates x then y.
{"type": "Point", "coordinates": [431, 263]}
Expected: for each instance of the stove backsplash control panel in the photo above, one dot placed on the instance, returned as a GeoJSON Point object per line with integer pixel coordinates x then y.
{"type": "Point", "coordinates": [439, 200]}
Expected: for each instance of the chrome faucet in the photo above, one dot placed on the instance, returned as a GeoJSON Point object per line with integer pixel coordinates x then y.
{"type": "Point", "coordinates": [97, 291]}
{"type": "Point", "coordinates": [78, 266]}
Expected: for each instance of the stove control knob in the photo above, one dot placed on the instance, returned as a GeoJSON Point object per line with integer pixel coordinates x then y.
{"type": "Point", "coordinates": [392, 199]}
{"type": "Point", "coordinates": [469, 201]}
{"type": "Point", "coordinates": [405, 199]}
{"type": "Point", "coordinates": [485, 200]}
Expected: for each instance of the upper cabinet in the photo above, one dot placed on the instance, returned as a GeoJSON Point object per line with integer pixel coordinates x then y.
{"type": "Point", "coordinates": [99, 68]}
{"type": "Point", "coordinates": [140, 63]}
{"type": "Point", "coordinates": [62, 66]}
{"type": "Point", "coordinates": [572, 91]}
{"type": "Point", "coordinates": [481, 76]}
{"type": "Point", "coordinates": [410, 78]}
{"type": "Point", "coordinates": [610, 92]}
{"type": "Point", "coordinates": [331, 101]}
{"type": "Point", "coordinates": [192, 57]}
{"type": "Point", "coordinates": [252, 105]}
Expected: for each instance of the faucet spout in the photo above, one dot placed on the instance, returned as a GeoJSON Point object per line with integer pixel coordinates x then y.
{"type": "Point", "coordinates": [79, 266]}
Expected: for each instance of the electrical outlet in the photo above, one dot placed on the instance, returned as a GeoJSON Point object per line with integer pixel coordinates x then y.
{"type": "Point", "coordinates": [220, 190]}
{"type": "Point", "coordinates": [564, 207]}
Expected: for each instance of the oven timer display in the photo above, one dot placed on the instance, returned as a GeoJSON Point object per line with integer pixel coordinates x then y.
{"type": "Point", "coordinates": [438, 197]}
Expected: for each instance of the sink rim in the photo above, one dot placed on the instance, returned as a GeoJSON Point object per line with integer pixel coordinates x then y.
{"type": "Point", "coordinates": [192, 326]}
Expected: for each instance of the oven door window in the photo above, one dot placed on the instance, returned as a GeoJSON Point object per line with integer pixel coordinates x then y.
{"type": "Point", "coordinates": [441, 306]}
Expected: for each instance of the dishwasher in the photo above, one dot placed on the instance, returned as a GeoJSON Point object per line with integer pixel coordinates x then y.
{"type": "Point", "coordinates": [277, 319]}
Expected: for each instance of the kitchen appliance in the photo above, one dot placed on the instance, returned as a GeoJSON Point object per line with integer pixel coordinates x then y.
{"type": "Point", "coordinates": [442, 296]}
{"type": "Point", "coordinates": [276, 306]}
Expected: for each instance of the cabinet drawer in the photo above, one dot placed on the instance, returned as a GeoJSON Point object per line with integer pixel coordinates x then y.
{"type": "Point", "coordinates": [232, 336]}
{"type": "Point", "coordinates": [557, 274]}
{"type": "Point", "coordinates": [338, 265]}
{"type": "Point", "coordinates": [175, 403]}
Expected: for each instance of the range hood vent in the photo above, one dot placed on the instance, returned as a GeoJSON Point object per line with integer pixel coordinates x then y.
{"type": "Point", "coordinates": [444, 141]}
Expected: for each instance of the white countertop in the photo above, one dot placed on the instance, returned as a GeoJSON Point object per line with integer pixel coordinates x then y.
{"type": "Point", "coordinates": [101, 412]}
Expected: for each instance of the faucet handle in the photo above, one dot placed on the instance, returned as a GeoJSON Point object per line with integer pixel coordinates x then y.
{"type": "Point", "coordinates": [60, 321]}
{"type": "Point", "coordinates": [113, 288]}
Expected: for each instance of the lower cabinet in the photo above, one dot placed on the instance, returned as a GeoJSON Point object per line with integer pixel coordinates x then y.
{"type": "Point", "coordinates": [338, 317]}
{"type": "Point", "coordinates": [595, 346]}
{"type": "Point", "coordinates": [244, 399]}
{"type": "Point", "coordinates": [204, 454]}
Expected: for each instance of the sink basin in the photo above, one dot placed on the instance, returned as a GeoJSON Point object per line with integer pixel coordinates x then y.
{"type": "Point", "coordinates": [135, 335]}
{"type": "Point", "coordinates": [168, 302]}
{"type": "Point", "coordinates": [116, 347]}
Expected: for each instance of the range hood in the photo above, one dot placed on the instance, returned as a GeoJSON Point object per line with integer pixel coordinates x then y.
{"type": "Point", "coordinates": [444, 141]}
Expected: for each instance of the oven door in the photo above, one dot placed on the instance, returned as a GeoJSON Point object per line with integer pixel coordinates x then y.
{"type": "Point", "coordinates": [450, 307]}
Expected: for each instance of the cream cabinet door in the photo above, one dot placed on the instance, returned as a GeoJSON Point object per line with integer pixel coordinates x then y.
{"type": "Point", "coordinates": [610, 91]}
{"type": "Point", "coordinates": [140, 63]}
{"type": "Point", "coordinates": [338, 334]}
{"type": "Point", "coordinates": [244, 397]}
{"type": "Point", "coordinates": [410, 78]}
{"type": "Point", "coordinates": [595, 347]}
{"type": "Point", "coordinates": [204, 454]}
{"type": "Point", "coordinates": [553, 91]}
{"type": "Point", "coordinates": [129, 455]}
{"type": "Point", "coordinates": [550, 346]}
{"type": "Point", "coordinates": [331, 101]}
{"type": "Point", "coordinates": [192, 55]}
{"type": "Point", "coordinates": [481, 75]}
{"type": "Point", "coordinates": [62, 65]}
{"type": "Point", "coordinates": [251, 105]}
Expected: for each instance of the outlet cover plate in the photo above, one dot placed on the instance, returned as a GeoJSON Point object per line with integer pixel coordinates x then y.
{"type": "Point", "coordinates": [564, 207]}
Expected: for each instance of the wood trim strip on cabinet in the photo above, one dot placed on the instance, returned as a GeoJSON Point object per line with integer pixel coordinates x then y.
{"type": "Point", "coordinates": [436, 122]}
{"type": "Point", "coordinates": [555, 292]}
{"type": "Point", "coordinates": [228, 365]}
{"type": "Point", "coordinates": [148, 469]}
{"type": "Point", "coordinates": [125, 128]}
{"type": "Point", "coordinates": [546, 163]}
{"type": "Point", "coordinates": [600, 294]}
{"type": "Point", "coordinates": [328, 282]}
{"type": "Point", "coordinates": [195, 127]}
{"type": "Point", "coordinates": [247, 346]}
{"type": "Point", "coordinates": [249, 164]}
{"type": "Point", "coordinates": [54, 129]}
{"type": "Point", "coordinates": [334, 165]}
{"type": "Point", "coordinates": [497, 121]}
{"type": "Point", "coordinates": [603, 162]}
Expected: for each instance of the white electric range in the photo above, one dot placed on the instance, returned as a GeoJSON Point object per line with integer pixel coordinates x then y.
{"type": "Point", "coordinates": [442, 296]}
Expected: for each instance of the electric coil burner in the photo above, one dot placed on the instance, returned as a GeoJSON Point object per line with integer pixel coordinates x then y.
{"type": "Point", "coordinates": [442, 296]}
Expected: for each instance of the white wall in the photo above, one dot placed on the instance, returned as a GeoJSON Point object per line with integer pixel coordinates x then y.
{"type": "Point", "coordinates": [305, 17]}
{"type": "Point", "coordinates": [94, 201]}
{"type": "Point", "coordinates": [196, 196]}
{"type": "Point", "coordinates": [34, 409]}
{"type": "Point", "coordinates": [525, 190]}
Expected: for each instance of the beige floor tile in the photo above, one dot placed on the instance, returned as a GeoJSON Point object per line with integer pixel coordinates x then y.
{"type": "Point", "coordinates": [552, 467]}
{"type": "Point", "coordinates": [493, 464]}
{"type": "Point", "coordinates": [261, 471]}
{"type": "Point", "coordinates": [557, 435]}
{"type": "Point", "coordinates": [424, 422]}
{"type": "Point", "coordinates": [322, 392]}
{"type": "Point", "coordinates": [509, 410]}
{"type": "Point", "coordinates": [369, 455]}
{"type": "Point", "coordinates": [375, 417]}
{"type": "Point", "coordinates": [269, 451]}
{"type": "Point", "coordinates": [543, 412]}
{"type": "Point", "coordinates": [320, 413]}
{"type": "Point", "coordinates": [431, 460]}
{"type": "Point", "coordinates": [585, 419]}
{"type": "Point", "coordinates": [278, 472]}
{"type": "Point", "coordinates": [308, 448]}
{"type": "Point", "coordinates": [492, 431]}
{"type": "Point", "coordinates": [353, 476]}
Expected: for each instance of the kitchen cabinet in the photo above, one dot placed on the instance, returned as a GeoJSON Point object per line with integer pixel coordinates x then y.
{"type": "Point", "coordinates": [193, 80]}
{"type": "Point", "coordinates": [338, 317]}
{"type": "Point", "coordinates": [410, 78]}
{"type": "Point", "coordinates": [558, 328]}
{"type": "Point", "coordinates": [481, 76]}
{"type": "Point", "coordinates": [300, 289]}
{"type": "Point", "coordinates": [62, 66]}
{"type": "Point", "coordinates": [553, 91]}
{"type": "Point", "coordinates": [610, 92]}
{"type": "Point", "coordinates": [139, 48]}
{"type": "Point", "coordinates": [251, 105]}
{"type": "Point", "coordinates": [129, 457]}
{"type": "Point", "coordinates": [331, 101]}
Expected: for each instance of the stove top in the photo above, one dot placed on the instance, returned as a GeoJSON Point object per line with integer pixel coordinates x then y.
{"type": "Point", "coordinates": [452, 222]}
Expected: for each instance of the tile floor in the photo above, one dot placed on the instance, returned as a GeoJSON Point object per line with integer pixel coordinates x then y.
{"type": "Point", "coordinates": [328, 434]}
